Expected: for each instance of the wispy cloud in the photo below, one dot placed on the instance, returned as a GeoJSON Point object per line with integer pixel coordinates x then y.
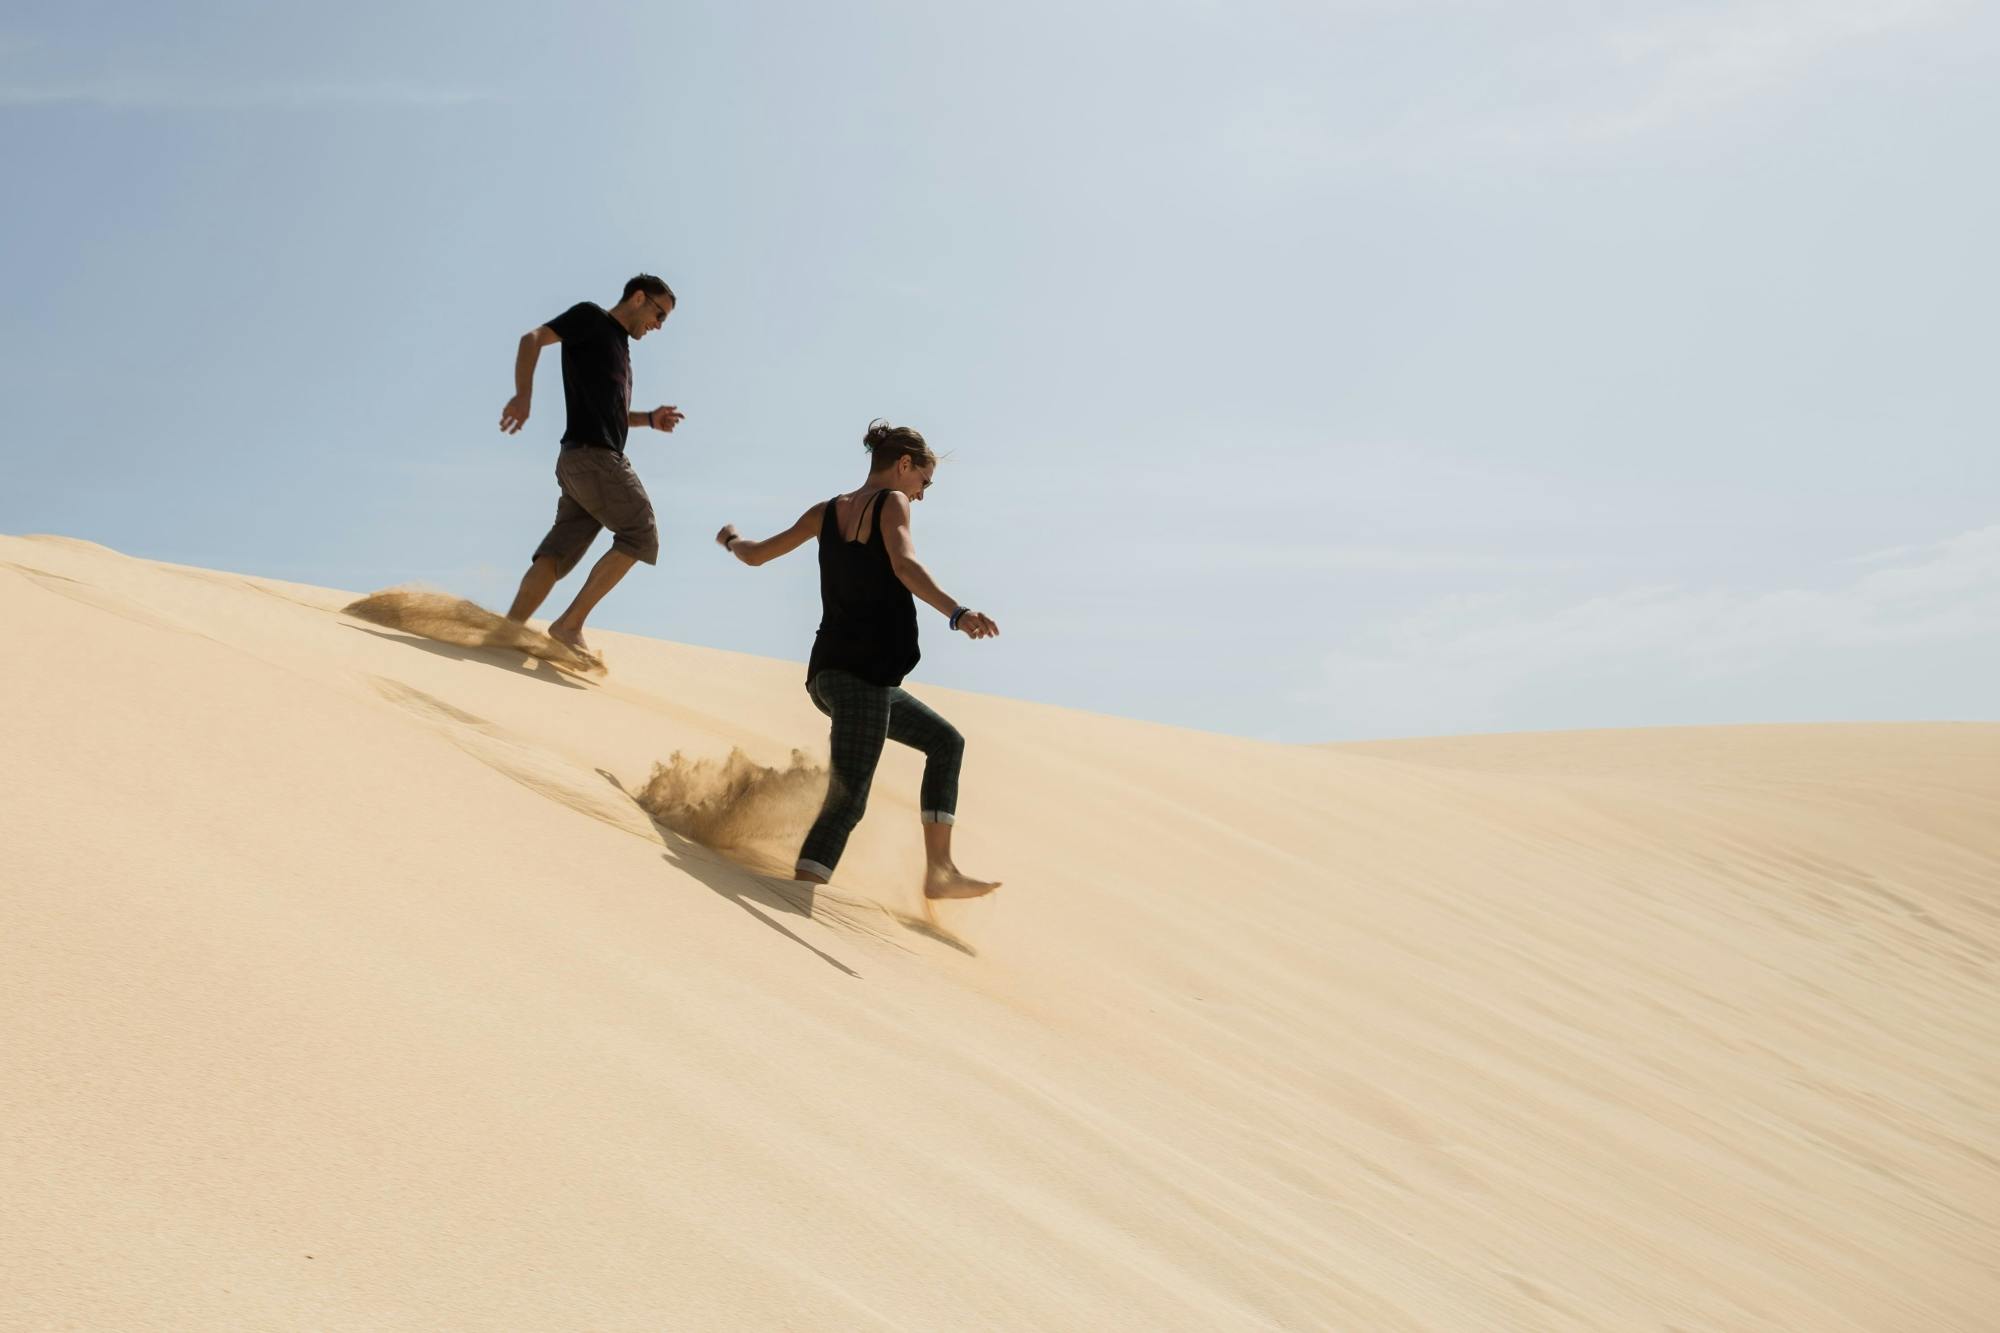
{"type": "Point", "coordinates": [1688, 64]}
{"type": "Point", "coordinates": [1445, 666]}
{"type": "Point", "coordinates": [180, 95]}
{"type": "Point", "coordinates": [1231, 558]}
{"type": "Point", "coordinates": [1552, 78]}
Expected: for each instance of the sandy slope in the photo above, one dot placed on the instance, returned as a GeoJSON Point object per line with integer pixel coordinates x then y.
{"type": "Point", "coordinates": [343, 985]}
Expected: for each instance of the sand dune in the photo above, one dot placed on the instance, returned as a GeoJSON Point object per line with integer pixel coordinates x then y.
{"type": "Point", "coordinates": [353, 979]}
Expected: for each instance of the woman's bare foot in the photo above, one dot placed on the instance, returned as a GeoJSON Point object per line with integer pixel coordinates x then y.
{"type": "Point", "coordinates": [947, 881]}
{"type": "Point", "coordinates": [569, 638]}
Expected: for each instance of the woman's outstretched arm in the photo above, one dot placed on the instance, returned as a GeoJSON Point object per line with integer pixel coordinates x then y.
{"type": "Point", "coordinates": [902, 548]}
{"type": "Point", "coordinates": [791, 539]}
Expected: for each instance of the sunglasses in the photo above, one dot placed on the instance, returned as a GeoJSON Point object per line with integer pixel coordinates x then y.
{"type": "Point", "coordinates": [657, 306]}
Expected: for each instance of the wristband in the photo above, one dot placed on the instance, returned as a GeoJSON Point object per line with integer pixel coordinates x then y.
{"type": "Point", "coordinates": [953, 622]}
{"type": "Point", "coordinates": [734, 538]}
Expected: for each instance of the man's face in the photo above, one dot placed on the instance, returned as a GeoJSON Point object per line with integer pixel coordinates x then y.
{"type": "Point", "coordinates": [653, 312]}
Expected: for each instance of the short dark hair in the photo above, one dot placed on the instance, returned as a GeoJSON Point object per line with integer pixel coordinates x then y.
{"type": "Point", "coordinates": [650, 285]}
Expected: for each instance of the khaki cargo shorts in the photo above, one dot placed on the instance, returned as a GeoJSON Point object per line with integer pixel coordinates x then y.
{"type": "Point", "coordinates": [599, 490]}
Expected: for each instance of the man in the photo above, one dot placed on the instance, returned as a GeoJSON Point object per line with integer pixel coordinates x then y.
{"type": "Point", "coordinates": [599, 488]}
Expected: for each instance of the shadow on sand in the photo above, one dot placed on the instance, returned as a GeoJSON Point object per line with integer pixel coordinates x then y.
{"type": "Point", "coordinates": [761, 894]}
{"type": "Point", "coordinates": [931, 930]}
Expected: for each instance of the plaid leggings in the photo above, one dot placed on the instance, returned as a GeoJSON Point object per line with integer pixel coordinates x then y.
{"type": "Point", "coordinates": [864, 716]}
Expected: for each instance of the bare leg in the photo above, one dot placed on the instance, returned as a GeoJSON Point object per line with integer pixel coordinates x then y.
{"type": "Point", "coordinates": [943, 879]}
{"type": "Point", "coordinates": [535, 586]}
{"type": "Point", "coordinates": [604, 575]}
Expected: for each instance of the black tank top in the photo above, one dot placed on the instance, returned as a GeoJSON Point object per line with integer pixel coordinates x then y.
{"type": "Point", "coordinates": [868, 620]}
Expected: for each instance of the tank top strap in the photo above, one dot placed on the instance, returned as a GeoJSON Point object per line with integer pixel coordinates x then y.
{"type": "Point", "coordinates": [861, 521]}
{"type": "Point", "coordinates": [881, 498]}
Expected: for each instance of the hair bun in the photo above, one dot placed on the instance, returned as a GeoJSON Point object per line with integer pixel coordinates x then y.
{"type": "Point", "coordinates": [888, 443]}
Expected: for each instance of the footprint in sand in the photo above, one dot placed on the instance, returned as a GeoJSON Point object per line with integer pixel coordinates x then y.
{"type": "Point", "coordinates": [89, 594]}
{"type": "Point", "coordinates": [539, 770]}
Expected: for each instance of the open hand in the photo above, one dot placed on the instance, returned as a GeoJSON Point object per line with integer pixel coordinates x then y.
{"type": "Point", "coordinates": [664, 418]}
{"type": "Point", "coordinates": [514, 415]}
{"type": "Point", "coordinates": [978, 625]}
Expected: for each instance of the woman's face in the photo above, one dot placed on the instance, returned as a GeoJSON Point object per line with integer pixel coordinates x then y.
{"type": "Point", "coordinates": [914, 478]}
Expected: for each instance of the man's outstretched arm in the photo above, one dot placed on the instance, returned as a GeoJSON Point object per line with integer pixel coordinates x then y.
{"type": "Point", "coordinates": [515, 414]}
{"type": "Point", "coordinates": [660, 418]}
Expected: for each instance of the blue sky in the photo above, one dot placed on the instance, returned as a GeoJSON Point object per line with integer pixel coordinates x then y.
{"type": "Point", "coordinates": [1305, 371]}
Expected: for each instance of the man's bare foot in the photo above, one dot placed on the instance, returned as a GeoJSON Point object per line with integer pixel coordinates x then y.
{"type": "Point", "coordinates": [569, 638]}
{"type": "Point", "coordinates": [950, 882]}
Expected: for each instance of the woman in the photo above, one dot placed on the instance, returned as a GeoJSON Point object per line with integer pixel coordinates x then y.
{"type": "Point", "coordinates": [867, 643]}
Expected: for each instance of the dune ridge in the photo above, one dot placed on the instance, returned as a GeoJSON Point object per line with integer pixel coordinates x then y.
{"type": "Point", "coordinates": [355, 978]}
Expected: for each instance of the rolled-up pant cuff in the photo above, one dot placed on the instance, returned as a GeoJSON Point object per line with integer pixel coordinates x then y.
{"type": "Point", "coordinates": [645, 550]}
{"type": "Point", "coordinates": [814, 868]}
{"type": "Point", "coordinates": [939, 817]}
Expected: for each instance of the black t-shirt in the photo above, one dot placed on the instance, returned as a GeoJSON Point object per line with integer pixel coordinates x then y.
{"type": "Point", "coordinates": [597, 376]}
